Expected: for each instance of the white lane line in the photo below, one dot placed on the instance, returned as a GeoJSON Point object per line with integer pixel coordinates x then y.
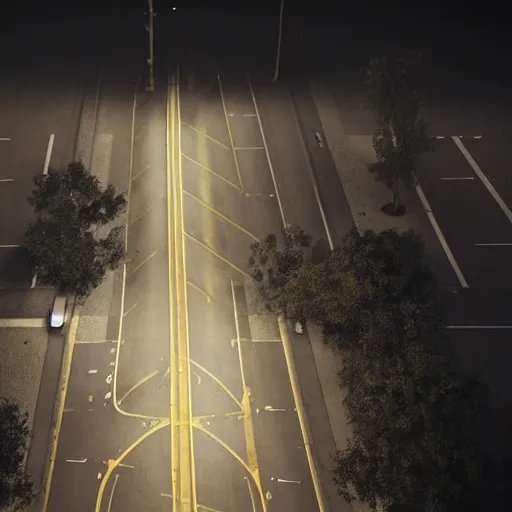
{"type": "Point", "coordinates": [456, 179]}
{"type": "Point", "coordinates": [483, 178]}
{"type": "Point", "coordinates": [505, 244]}
{"type": "Point", "coordinates": [309, 163]}
{"type": "Point", "coordinates": [8, 246]}
{"type": "Point", "coordinates": [77, 461]}
{"type": "Point", "coordinates": [248, 115]}
{"type": "Point", "coordinates": [23, 323]}
{"type": "Point", "coordinates": [248, 148]}
{"type": "Point", "coordinates": [5, 139]}
{"type": "Point", "coordinates": [48, 154]}
{"type": "Point", "coordinates": [300, 410]}
{"type": "Point", "coordinates": [480, 327]}
{"type": "Point", "coordinates": [440, 137]}
{"type": "Point", "coordinates": [271, 167]}
{"type": "Point", "coordinates": [440, 236]}
{"type": "Point", "coordinates": [45, 171]}
{"type": "Point", "coordinates": [5, 180]}
{"type": "Point", "coordinates": [282, 480]}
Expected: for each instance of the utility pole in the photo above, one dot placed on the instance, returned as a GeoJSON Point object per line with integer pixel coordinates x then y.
{"type": "Point", "coordinates": [150, 84]}
{"type": "Point", "coordinates": [280, 36]}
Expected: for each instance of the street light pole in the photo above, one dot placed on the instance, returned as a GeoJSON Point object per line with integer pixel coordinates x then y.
{"type": "Point", "coordinates": [280, 36]}
{"type": "Point", "coordinates": [150, 85]}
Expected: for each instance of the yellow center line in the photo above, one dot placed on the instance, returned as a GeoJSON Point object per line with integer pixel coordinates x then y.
{"type": "Point", "coordinates": [183, 429]}
{"type": "Point", "coordinates": [171, 156]}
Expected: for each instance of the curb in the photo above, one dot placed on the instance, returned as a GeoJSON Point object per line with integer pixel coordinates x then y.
{"type": "Point", "coordinates": [65, 370]}
{"type": "Point", "coordinates": [299, 404]}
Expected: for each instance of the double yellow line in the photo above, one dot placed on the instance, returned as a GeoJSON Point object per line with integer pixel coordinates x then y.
{"type": "Point", "coordinates": [182, 450]}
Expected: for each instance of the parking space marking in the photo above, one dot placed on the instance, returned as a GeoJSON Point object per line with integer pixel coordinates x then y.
{"type": "Point", "coordinates": [458, 179]}
{"type": "Point", "coordinates": [483, 178]}
{"type": "Point", "coordinates": [248, 148]}
{"type": "Point", "coordinates": [207, 169]}
{"type": "Point", "coordinates": [48, 154]}
{"type": "Point", "coordinates": [479, 327]}
{"type": "Point", "coordinates": [504, 244]}
{"type": "Point", "coordinates": [221, 215]}
{"type": "Point", "coordinates": [440, 236]}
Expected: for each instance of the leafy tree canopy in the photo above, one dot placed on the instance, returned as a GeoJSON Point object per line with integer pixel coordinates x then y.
{"type": "Point", "coordinates": [64, 241]}
{"type": "Point", "coordinates": [15, 484]}
{"type": "Point", "coordinates": [394, 94]}
{"type": "Point", "coordinates": [75, 196]}
{"type": "Point", "coordinates": [283, 273]}
{"type": "Point", "coordinates": [73, 261]}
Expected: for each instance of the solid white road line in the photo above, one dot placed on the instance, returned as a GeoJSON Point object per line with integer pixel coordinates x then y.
{"type": "Point", "coordinates": [480, 327]}
{"type": "Point", "coordinates": [483, 178]}
{"type": "Point", "coordinates": [48, 154]}
{"type": "Point", "coordinates": [45, 171]}
{"type": "Point", "coordinates": [8, 246]}
{"type": "Point", "coordinates": [311, 173]}
{"type": "Point", "coordinates": [506, 244]}
{"type": "Point", "coordinates": [4, 139]}
{"type": "Point", "coordinates": [5, 180]}
{"type": "Point", "coordinates": [271, 167]}
{"type": "Point", "coordinates": [23, 323]}
{"type": "Point", "coordinates": [456, 179]}
{"type": "Point", "coordinates": [440, 236]}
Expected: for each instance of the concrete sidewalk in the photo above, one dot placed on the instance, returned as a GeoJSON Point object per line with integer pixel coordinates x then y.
{"type": "Point", "coordinates": [352, 156]}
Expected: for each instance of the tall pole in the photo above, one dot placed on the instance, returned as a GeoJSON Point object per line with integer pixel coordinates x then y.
{"type": "Point", "coordinates": [150, 85]}
{"type": "Point", "coordinates": [280, 36]}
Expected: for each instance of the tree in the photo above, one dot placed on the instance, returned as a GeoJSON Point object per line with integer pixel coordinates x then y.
{"type": "Point", "coordinates": [401, 135]}
{"type": "Point", "coordinates": [379, 282]}
{"type": "Point", "coordinates": [74, 196]}
{"type": "Point", "coordinates": [413, 451]}
{"type": "Point", "coordinates": [283, 275]}
{"type": "Point", "coordinates": [64, 241]}
{"type": "Point", "coordinates": [412, 448]}
{"type": "Point", "coordinates": [15, 484]}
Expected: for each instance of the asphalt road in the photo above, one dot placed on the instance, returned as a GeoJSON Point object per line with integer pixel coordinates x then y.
{"type": "Point", "coordinates": [229, 202]}
{"type": "Point", "coordinates": [132, 364]}
{"type": "Point", "coordinates": [242, 405]}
